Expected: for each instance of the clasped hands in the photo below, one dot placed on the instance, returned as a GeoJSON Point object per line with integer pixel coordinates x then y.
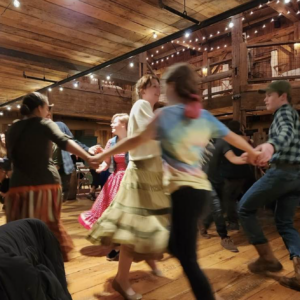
{"type": "Point", "coordinates": [263, 154]}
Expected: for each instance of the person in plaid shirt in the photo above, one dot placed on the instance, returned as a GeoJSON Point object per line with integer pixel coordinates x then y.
{"type": "Point", "coordinates": [281, 184]}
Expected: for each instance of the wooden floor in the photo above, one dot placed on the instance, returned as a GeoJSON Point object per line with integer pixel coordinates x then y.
{"type": "Point", "coordinates": [89, 274]}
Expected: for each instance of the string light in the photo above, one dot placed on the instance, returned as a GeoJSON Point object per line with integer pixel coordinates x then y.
{"type": "Point", "coordinates": [194, 48]}
{"type": "Point", "coordinates": [251, 12]}
{"type": "Point", "coordinates": [225, 46]}
{"type": "Point", "coordinates": [162, 60]}
{"type": "Point", "coordinates": [172, 42]}
{"type": "Point", "coordinates": [177, 42]}
{"type": "Point", "coordinates": [75, 84]}
{"type": "Point", "coordinates": [183, 50]}
{"type": "Point", "coordinates": [288, 12]}
{"type": "Point", "coordinates": [218, 32]}
{"type": "Point", "coordinates": [157, 62]}
{"type": "Point", "coordinates": [154, 35]}
{"type": "Point", "coordinates": [199, 48]}
{"type": "Point", "coordinates": [108, 77]}
{"type": "Point", "coordinates": [162, 47]}
{"type": "Point", "coordinates": [168, 58]}
{"type": "Point", "coordinates": [152, 63]}
{"type": "Point", "coordinates": [287, 1]}
{"type": "Point", "coordinates": [243, 19]}
{"type": "Point", "coordinates": [49, 89]}
{"type": "Point", "coordinates": [172, 55]}
{"type": "Point", "coordinates": [280, 14]}
{"type": "Point", "coordinates": [205, 49]}
{"type": "Point", "coordinates": [248, 36]}
{"type": "Point", "coordinates": [1, 113]}
{"type": "Point", "coordinates": [190, 41]}
{"type": "Point", "coordinates": [147, 58]}
{"type": "Point", "coordinates": [8, 108]}
{"type": "Point", "coordinates": [260, 6]}
{"type": "Point", "coordinates": [17, 3]}
{"type": "Point", "coordinates": [183, 41]}
{"type": "Point", "coordinates": [204, 38]}
{"type": "Point", "coordinates": [298, 12]}
{"type": "Point", "coordinates": [255, 31]}
{"type": "Point", "coordinates": [187, 34]}
{"type": "Point", "coordinates": [131, 65]}
{"type": "Point", "coordinates": [152, 55]}
{"type": "Point", "coordinates": [264, 26]}
{"type": "Point", "coordinates": [272, 20]}
{"type": "Point", "coordinates": [278, 1]}
{"type": "Point", "coordinates": [210, 35]}
{"type": "Point", "coordinates": [18, 106]}
{"type": "Point", "coordinates": [231, 25]}
{"type": "Point", "coordinates": [218, 47]}
{"type": "Point", "coordinates": [196, 40]}
{"type": "Point", "coordinates": [92, 76]}
{"type": "Point", "coordinates": [177, 52]}
{"type": "Point", "coordinates": [226, 29]}
{"type": "Point", "coordinates": [61, 88]}
{"type": "Point", "coordinates": [157, 51]}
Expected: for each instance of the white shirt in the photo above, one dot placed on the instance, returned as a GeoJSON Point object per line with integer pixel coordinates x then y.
{"type": "Point", "coordinates": [140, 116]}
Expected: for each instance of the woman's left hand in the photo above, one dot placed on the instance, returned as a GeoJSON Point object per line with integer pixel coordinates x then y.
{"type": "Point", "coordinates": [94, 161]}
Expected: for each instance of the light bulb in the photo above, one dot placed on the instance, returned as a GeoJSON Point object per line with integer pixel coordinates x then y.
{"type": "Point", "coordinates": [204, 38]}
{"type": "Point", "coordinates": [131, 65]}
{"type": "Point", "coordinates": [172, 55]}
{"type": "Point", "coordinates": [1, 113]}
{"type": "Point", "coordinates": [231, 25]}
{"type": "Point", "coordinates": [49, 89]}
{"type": "Point", "coordinates": [218, 32]}
{"type": "Point", "coordinates": [210, 35]}
{"type": "Point", "coordinates": [157, 51]}
{"type": "Point", "coordinates": [152, 63]}
{"type": "Point", "coordinates": [162, 47]}
{"type": "Point", "coordinates": [243, 19]}
{"type": "Point", "coordinates": [8, 108]}
{"type": "Point", "coordinates": [196, 40]}
{"type": "Point", "coordinates": [107, 77]}
{"type": "Point", "coordinates": [75, 84]}
{"type": "Point", "coordinates": [61, 88]}
{"type": "Point", "coordinates": [154, 35]}
{"type": "Point", "coordinates": [187, 34]}
{"type": "Point", "coordinates": [255, 31]}
{"type": "Point", "coordinates": [251, 12]}
{"type": "Point", "coordinates": [226, 29]}
{"type": "Point", "coordinates": [168, 58]}
{"type": "Point", "coordinates": [92, 76]}
{"type": "Point", "coordinates": [152, 55]}
{"type": "Point", "coordinates": [17, 3]}
{"type": "Point", "coordinates": [18, 106]}
{"type": "Point", "coordinates": [287, 1]}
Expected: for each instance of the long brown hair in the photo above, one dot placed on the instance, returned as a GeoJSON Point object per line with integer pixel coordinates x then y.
{"type": "Point", "coordinates": [185, 81]}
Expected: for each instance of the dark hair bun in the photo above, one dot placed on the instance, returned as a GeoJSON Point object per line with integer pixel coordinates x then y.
{"type": "Point", "coordinates": [24, 110]}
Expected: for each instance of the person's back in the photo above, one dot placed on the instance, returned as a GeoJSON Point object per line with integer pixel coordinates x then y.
{"type": "Point", "coordinates": [29, 148]}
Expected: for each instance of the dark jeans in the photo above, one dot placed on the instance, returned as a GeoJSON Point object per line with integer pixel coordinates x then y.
{"type": "Point", "coordinates": [232, 189]}
{"type": "Point", "coordinates": [65, 182]}
{"type": "Point", "coordinates": [280, 186]}
{"type": "Point", "coordinates": [216, 215]}
{"type": "Point", "coordinates": [188, 205]}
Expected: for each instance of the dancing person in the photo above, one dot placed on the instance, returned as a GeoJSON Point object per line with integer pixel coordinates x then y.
{"type": "Point", "coordinates": [35, 186]}
{"type": "Point", "coordinates": [183, 129]}
{"type": "Point", "coordinates": [119, 129]}
{"type": "Point", "coordinates": [63, 161]}
{"type": "Point", "coordinates": [138, 217]}
{"type": "Point", "coordinates": [280, 184]}
{"type": "Point", "coordinates": [218, 149]}
{"type": "Point", "coordinates": [234, 177]}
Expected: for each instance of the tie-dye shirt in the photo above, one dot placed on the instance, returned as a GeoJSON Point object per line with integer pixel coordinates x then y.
{"type": "Point", "coordinates": [183, 143]}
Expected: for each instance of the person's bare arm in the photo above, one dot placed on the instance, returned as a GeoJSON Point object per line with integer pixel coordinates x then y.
{"type": "Point", "coordinates": [237, 160]}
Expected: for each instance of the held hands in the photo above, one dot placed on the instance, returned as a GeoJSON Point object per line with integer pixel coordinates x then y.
{"type": "Point", "coordinates": [94, 161]}
{"type": "Point", "coordinates": [260, 156]}
{"type": "Point", "coordinates": [102, 167]}
{"type": "Point", "coordinates": [95, 149]}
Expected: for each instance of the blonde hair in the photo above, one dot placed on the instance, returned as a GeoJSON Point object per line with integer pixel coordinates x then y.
{"type": "Point", "coordinates": [143, 83]}
{"type": "Point", "coordinates": [185, 80]}
{"type": "Point", "coordinates": [124, 118]}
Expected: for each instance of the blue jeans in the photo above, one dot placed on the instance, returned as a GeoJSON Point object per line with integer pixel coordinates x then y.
{"type": "Point", "coordinates": [281, 186]}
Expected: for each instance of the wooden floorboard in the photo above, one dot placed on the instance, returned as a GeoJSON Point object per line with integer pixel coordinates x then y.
{"type": "Point", "coordinates": [89, 274]}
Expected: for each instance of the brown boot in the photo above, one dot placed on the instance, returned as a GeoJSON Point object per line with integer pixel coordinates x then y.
{"type": "Point", "coordinates": [294, 282]}
{"type": "Point", "coordinates": [266, 261]}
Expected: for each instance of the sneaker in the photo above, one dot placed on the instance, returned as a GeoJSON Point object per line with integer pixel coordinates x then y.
{"type": "Point", "coordinates": [113, 255]}
{"type": "Point", "coordinates": [228, 244]}
{"type": "Point", "coordinates": [205, 234]}
{"type": "Point", "coordinates": [233, 226]}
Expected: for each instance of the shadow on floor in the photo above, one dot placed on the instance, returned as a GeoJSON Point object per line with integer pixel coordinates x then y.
{"type": "Point", "coordinates": [95, 251]}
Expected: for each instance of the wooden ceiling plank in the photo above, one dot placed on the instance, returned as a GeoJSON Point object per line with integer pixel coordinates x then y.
{"type": "Point", "coordinates": [41, 47]}
{"type": "Point", "coordinates": [55, 35]}
{"type": "Point", "coordinates": [134, 16]}
{"type": "Point", "coordinates": [51, 41]}
{"type": "Point", "coordinates": [80, 31]}
{"type": "Point", "coordinates": [100, 14]}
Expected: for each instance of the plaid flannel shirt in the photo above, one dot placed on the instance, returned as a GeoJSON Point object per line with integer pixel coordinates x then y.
{"type": "Point", "coordinates": [284, 135]}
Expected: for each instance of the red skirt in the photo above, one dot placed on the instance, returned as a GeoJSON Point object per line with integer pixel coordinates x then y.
{"type": "Point", "coordinates": [40, 202]}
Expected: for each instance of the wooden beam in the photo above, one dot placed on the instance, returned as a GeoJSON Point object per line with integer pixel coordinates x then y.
{"type": "Point", "coordinates": [215, 77]}
{"type": "Point", "coordinates": [273, 43]}
{"type": "Point", "coordinates": [274, 78]}
{"type": "Point", "coordinates": [282, 8]}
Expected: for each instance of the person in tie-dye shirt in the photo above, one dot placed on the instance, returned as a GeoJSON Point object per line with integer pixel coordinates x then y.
{"type": "Point", "coordinates": [184, 129]}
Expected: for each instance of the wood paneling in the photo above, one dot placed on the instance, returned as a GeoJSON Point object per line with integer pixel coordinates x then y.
{"type": "Point", "coordinates": [85, 33]}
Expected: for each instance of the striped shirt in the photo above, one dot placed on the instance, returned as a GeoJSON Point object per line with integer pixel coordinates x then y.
{"type": "Point", "coordinates": [284, 135]}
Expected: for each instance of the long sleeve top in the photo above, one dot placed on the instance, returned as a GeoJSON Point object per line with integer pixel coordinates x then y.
{"type": "Point", "coordinates": [284, 135]}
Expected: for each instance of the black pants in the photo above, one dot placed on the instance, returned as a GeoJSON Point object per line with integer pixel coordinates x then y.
{"type": "Point", "coordinates": [188, 205]}
{"type": "Point", "coordinates": [232, 189]}
{"type": "Point", "coordinates": [216, 215]}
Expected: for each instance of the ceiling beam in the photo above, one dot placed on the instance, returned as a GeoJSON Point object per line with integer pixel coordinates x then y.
{"type": "Point", "coordinates": [286, 11]}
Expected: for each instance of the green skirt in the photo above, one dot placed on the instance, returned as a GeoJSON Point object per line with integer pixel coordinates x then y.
{"type": "Point", "coordinates": [139, 215]}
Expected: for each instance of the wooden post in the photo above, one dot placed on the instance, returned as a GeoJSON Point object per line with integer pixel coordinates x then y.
{"type": "Point", "coordinates": [142, 64]}
{"type": "Point", "coordinates": [237, 64]}
{"type": "Point", "coordinates": [209, 83]}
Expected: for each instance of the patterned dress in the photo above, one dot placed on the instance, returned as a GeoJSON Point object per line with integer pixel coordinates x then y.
{"type": "Point", "coordinates": [108, 192]}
